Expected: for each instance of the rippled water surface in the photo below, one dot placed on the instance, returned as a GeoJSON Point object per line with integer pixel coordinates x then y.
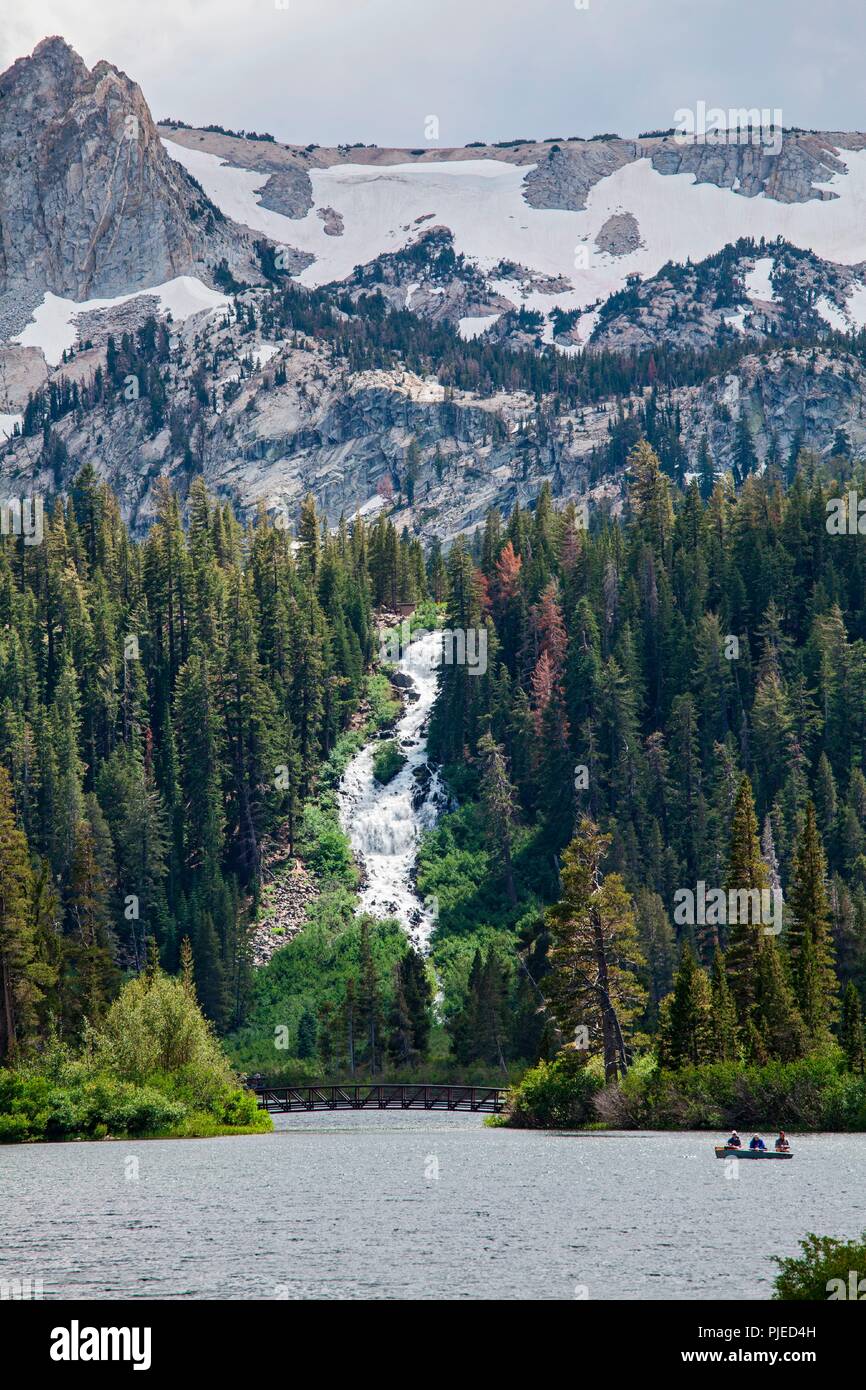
{"type": "Point", "coordinates": [418, 1206]}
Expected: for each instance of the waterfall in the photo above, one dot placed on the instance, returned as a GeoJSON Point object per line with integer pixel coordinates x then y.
{"type": "Point", "coordinates": [384, 824]}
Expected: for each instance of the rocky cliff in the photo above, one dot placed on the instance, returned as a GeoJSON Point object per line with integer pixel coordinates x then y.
{"type": "Point", "coordinates": [90, 204]}
{"type": "Point", "coordinates": [271, 390]}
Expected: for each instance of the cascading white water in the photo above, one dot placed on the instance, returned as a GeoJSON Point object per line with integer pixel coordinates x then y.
{"type": "Point", "coordinates": [384, 823]}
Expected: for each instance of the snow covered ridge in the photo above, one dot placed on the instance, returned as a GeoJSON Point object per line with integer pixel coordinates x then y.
{"type": "Point", "coordinates": [382, 209]}
{"type": "Point", "coordinates": [53, 329]}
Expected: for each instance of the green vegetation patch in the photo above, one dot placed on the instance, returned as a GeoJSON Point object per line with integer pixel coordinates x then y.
{"type": "Point", "coordinates": [387, 762]}
{"type": "Point", "coordinates": [154, 1069]}
{"type": "Point", "coordinates": [828, 1270]}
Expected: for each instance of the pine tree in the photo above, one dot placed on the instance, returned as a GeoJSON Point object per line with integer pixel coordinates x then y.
{"type": "Point", "coordinates": [19, 973]}
{"type": "Point", "coordinates": [187, 966]}
{"type": "Point", "coordinates": [369, 1002]}
{"type": "Point", "coordinates": [745, 458]}
{"type": "Point", "coordinates": [328, 1022]}
{"type": "Point", "coordinates": [492, 1012]}
{"type": "Point", "coordinates": [851, 1030]}
{"type": "Point", "coordinates": [594, 954]}
{"type": "Point", "coordinates": [401, 1040]}
{"type": "Point", "coordinates": [464, 1026]}
{"type": "Point", "coordinates": [308, 534]}
{"type": "Point", "coordinates": [418, 994]}
{"type": "Point", "coordinates": [307, 1035]}
{"type": "Point", "coordinates": [349, 1018]}
{"type": "Point", "coordinates": [775, 1016]}
{"type": "Point", "coordinates": [686, 1025]}
{"type": "Point", "coordinates": [746, 873]}
{"type": "Point", "coordinates": [705, 470]}
{"type": "Point", "coordinates": [650, 495]}
{"type": "Point", "coordinates": [498, 802]}
{"type": "Point", "coordinates": [658, 946]}
{"type": "Point", "coordinates": [809, 941]}
{"type": "Point", "coordinates": [94, 975]}
{"type": "Point", "coordinates": [727, 1043]}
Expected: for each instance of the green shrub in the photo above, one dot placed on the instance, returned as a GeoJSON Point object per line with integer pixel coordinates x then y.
{"type": "Point", "coordinates": [387, 762]}
{"type": "Point", "coordinates": [815, 1093]}
{"type": "Point", "coordinates": [156, 1068]}
{"type": "Point", "coordinates": [384, 708]}
{"type": "Point", "coordinates": [554, 1095]}
{"type": "Point", "coordinates": [323, 846]}
{"type": "Point", "coordinates": [823, 1272]}
{"type": "Point", "coordinates": [155, 1027]}
{"type": "Point", "coordinates": [128, 1109]}
{"type": "Point", "coordinates": [14, 1128]}
{"type": "Point", "coordinates": [311, 970]}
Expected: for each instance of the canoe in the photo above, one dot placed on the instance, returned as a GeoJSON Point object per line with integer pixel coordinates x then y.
{"type": "Point", "coordinates": [722, 1151]}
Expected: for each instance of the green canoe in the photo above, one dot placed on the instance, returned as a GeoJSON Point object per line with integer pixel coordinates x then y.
{"type": "Point", "coordinates": [722, 1151]}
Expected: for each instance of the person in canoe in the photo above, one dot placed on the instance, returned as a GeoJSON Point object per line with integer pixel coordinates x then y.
{"type": "Point", "coordinates": [735, 1141]}
{"type": "Point", "coordinates": [782, 1145]}
{"type": "Point", "coordinates": [757, 1142]}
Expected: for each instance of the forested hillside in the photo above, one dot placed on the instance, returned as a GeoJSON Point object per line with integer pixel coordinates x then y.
{"type": "Point", "coordinates": [672, 698]}
{"type": "Point", "coordinates": [683, 695]}
{"type": "Point", "coordinates": [165, 707]}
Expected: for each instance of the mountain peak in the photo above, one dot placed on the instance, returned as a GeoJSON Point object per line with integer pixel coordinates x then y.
{"type": "Point", "coordinates": [96, 208]}
{"type": "Point", "coordinates": [53, 60]}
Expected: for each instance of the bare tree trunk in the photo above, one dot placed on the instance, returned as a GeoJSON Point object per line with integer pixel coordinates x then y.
{"type": "Point", "coordinates": [7, 1015]}
{"type": "Point", "coordinates": [611, 1044]}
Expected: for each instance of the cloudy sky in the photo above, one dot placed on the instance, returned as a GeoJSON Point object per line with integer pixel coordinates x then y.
{"type": "Point", "coordinates": [375, 70]}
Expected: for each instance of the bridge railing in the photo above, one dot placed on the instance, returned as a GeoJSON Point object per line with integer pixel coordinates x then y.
{"type": "Point", "coordinates": [372, 1096]}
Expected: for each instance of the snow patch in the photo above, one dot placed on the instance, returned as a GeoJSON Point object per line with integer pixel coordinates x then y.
{"type": "Point", "coordinates": [370, 507]}
{"type": "Point", "coordinates": [855, 307]}
{"type": "Point", "coordinates": [758, 283]}
{"type": "Point", "coordinates": [482, 202]}
{"type": "Point", "coordinates": [52, 327]}
{"type": "Point", "coordinates": [473, 325]}
{"type": "Point", "coordinates": [832, 314]}
{"type": "Point", "coordinates": [262, 354]}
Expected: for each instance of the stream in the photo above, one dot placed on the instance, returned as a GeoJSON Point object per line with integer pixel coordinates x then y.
{"type": "Point", "coordinates": [385, 823]}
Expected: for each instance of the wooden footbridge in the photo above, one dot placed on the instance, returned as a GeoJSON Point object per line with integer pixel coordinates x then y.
{"type": "Point", "coordinates": [487, 1100]}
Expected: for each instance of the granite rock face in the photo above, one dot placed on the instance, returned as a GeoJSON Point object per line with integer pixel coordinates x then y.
{"type": "Point", "coordinates": [90, 203]}
{"type": "Point", "coordinates": [790, 174]}
{"type": "Point", "coordinates": [754, 290]}
{"type": "Point", "coordinates": [619, 235]}
{"type": "Point", "coordinates": [563, 180]}
{"type": "Point", "coordinates": [266, 409]}
{"type": "Point", "coordinates": [790, 171]}
{"type": "Point", "coordinates": [288, 191]}
{"type": "Point", "coordinates": [789, 394]}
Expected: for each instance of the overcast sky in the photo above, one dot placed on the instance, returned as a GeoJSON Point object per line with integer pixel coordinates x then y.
{"type": "Point", "coordinates": [374, 70]}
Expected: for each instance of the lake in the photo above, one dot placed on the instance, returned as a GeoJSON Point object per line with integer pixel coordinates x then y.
{"type": "Point", "coordinates": [416, 1205]}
